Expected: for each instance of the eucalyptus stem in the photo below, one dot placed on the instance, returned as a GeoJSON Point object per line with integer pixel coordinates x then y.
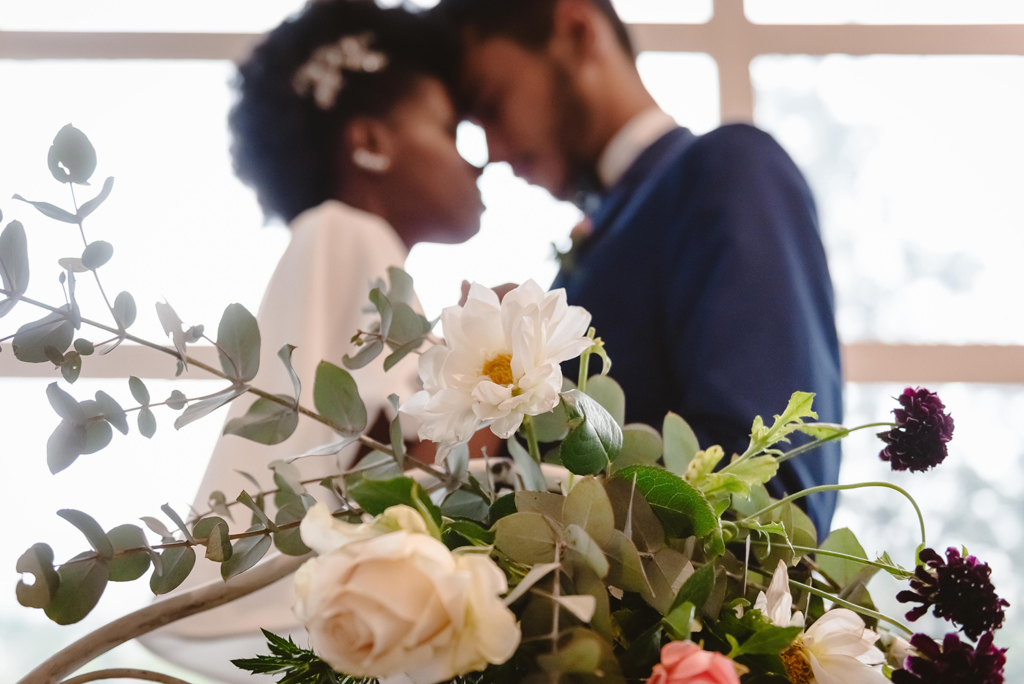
{"type": "Point", "coordinates": [851, 606]}
{"type": "Point", "coordinates": [81, 229]}
{"type": "Point", "coordinates": [839, 488]}
{"type": "Point", "coordinates": [531, 438]}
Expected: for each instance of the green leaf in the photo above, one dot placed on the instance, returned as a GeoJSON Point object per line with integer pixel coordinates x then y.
{"type": "Point", "coordinates": [289, 541]}
{"type": "Point", "coordinates": [201, 409]}
{"type": "Point", "coordinates": [213, 533]}
{"type": "Point", "coordinates": [470, 531]}
{"type": "Point", "coordinates": [81, 585]}
{"type": "Point", "coordinates": [72, 158]}
{"type": "Point", "coordinates": [147, 422]}
{"type": "Point", "coordinates": [824, 430]}
{"type": "Point", "coordinates": [526, 538]}
{"type": "Point", "coordinates": [406, 326]}
{"type": "Point", "coordinates": [401, 290]}
{"type": "Point", "coordinates": [771, 640]}
{"type": "Point", "coordinates": [594, 438]}
{"type": "Point", "coordinates": [92, 205]}
{"type": "Point", "coordinates": [367, 353]}
{"type": "Point", "coordinates": [503, 506]}
{"type": "Point", "coordinates": [641, 445]}
{"type": "Point", "coordinates": [55, 330]}
{"type": "Point", "coordinates": [677, 622]}
{"type": "Point", "coordinates": [158, 528]}
{"type": "Point", "coordinates": [91, 529]}
{"type": "Point", "coordinates": [175, 565]}
{"type": "Point", "coordinates": [585, 551]}
{"type": "Point", "coordinates": [392, 360]}
{"type": "Point", "coordinates": [246, 553]}
{"type": "Point", "coordinates": [50, 210]}
{"type": "Point", "coordinates": [681, 444]}
{"type": "Point", "coordinates": [14, 265]}
{"type": "Point", "coordinates": [840, 570]}
{"type": "Point", "coordinates": [625, 569]}
{"type": "Point", "coordinates": [397, 439]}
{"type": "Point", "coordinates": [112, 412]}
{"type": "Point", "coordinates": [383, 306]}
{"type": "Point", "coordinates": [285, 354]}
{"type": "Point", "coordinates": [172, 326]}
{"type": "Point", "coordinates": [762, 436]}
{"type": "Point", "coordinates": [138, 389]}
{"type": "Point", "coordinates": [97, 254]}
{"type": "Point", "coordinates": [376, 496]}
{"type": "Point", "coordinates": [697, 589]}
{"type": "Point", "coordinates": [64, 404]}
{"type": "Point", "coordinates": [65, 445]}
{"type": "Point", "coordinates": [609, 395]}
{"type": "Point", "coordinates": [127, 567]}
{"type": "Point", "coordinates": [176, 519]}
{"type": "Point", "coordinates": [545, 503]}
{"type": "Point", "coordinates": [552, 426]}
{"type": "Point", "coordinates": [336, 397]}
{"type": "Point", "coordinates": [84, 347]}
{"type": "Point", "coordinates": [38, 562]}
{"type": "Point", "coordinates": [72, 367]}
{"type": "Point", "coordinates": [588, 506]}
{"type": "Point", "coordinates": [681, 509]}
{"type": "Point", "coordinates": [238, 343]}
{"type": "Point", "coordinates": [463, 504]}
{"type": "Point", "coordinates": [266, 422]}
{"type": "Point", "coordinates": [125, 310]}
{"type": "Point", "coordinates": [257, 510]}
{"type": "Point", "coordinates": [529, 471]}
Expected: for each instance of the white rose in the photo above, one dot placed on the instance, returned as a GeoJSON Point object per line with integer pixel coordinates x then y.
{"type": "Point", "coordinates": [500, 362]}
{"type": "Point", "coordinates": [380, 603]}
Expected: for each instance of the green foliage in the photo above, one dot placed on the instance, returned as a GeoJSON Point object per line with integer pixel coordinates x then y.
{"type": "Point", "coordinates": [681, 444]}
{"type": "Point", "coordinates": [609, 395]}
{"type": "Point", "coordinates": [38, 562]}
{"type": "Point", "coordinates": [82, 582]}
{"type": "Point", "coordinates": [294, 665]}
{"type": "Point", "coordinates": [681, 509]}
{"type": "Point", "coordinates": [529, 471]}
{"type": "Point", "coordinates": [246, 553]}
{"type": "Point", "coordinates": [839, 570]}
{"type": "Point", "coordinates": [763, 436]}
{"type": "Point", "coordinates": [128, 566]}
{"type": "Point", "coordinates": [594, 438]}
{"type": "Point", "coordinates": [336, 397]}
{"type": "Point", "coordinates": [14, 265]}
{"type": "Point", "coordinates": [266, 422]}
{"type": "Point", "coordinates": [54, 330]}
{"type": "Point", "coordinates": [97, 254]}
{"type": "Point", "coordinates": [527, 538]}
{"type": "Point", "coordinates": [72, 158]}
{"type": "Point", "coordinates": [376, 496]}
{"type": "Point", "coordinates": [175, 565]}
{"type": "Point", "coordinates": [238, 343]}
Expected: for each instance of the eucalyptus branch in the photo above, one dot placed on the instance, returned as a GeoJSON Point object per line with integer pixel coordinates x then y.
{"type": "Point", "coordinates": [124, 673]}
{"type": "Point", "coordinates": [531, 438]}
{"type": "Point", "coordinates": [156, 615]}
{"type": "Point", "coordinates": [851, 606]}
{"type": "Point", "coordinates": [838, 488]}
{"type": "Point", "coordinates": [81, 230]}
{"type": "Point", "coordinates": [363, 439]}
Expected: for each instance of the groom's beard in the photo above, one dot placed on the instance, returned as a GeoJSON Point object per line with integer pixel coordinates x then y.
{"type": "Point", "coordinates": [571, 131]}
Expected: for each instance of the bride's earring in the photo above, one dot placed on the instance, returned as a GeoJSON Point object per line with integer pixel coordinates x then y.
{"type": "Point", "coordinates": [364, 159]}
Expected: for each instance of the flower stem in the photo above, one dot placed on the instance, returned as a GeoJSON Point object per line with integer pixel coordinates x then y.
{"type": "Point", "coordinates": [839, 488]}
{"type": "Point", "coordinates": [812, 445]}
{"type": "Point", "coordinates": [850, 606]}
{"type": "Point", "coordinates": [531, 438]}
{"type": "Point", "coordinates": [834, 554]}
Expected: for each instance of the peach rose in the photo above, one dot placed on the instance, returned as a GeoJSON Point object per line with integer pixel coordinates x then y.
{"type": "Point", "coordinates": [684, 662]}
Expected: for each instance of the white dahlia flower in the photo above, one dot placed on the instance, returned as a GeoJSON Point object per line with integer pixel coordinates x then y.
{"type": "Point", "coordinates": [500, 362]}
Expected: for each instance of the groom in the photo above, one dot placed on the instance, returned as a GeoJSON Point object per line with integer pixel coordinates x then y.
{"type": "Point", "coordinates": [704, 270]}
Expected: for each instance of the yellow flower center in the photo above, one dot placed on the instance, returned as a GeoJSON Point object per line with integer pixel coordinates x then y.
{"type": "Point", "coordinates": [499, 369]}
{"type": "Point", "coordinates": [798, 668]}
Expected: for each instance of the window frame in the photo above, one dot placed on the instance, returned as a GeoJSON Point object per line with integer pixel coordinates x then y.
{"type": "Point", "coordinates": [728, 37]}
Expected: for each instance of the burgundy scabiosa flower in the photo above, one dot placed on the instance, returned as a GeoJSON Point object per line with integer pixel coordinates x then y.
{"type": "Point", "coordinates": [959, 588]}
{"type": "Point", "coordinates": [923, 428]}
{"type": "Point", "coordinates": [955, 662]}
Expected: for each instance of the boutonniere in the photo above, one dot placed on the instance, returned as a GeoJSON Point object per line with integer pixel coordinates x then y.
{"type": "Point", "coordinates": [569, 259]}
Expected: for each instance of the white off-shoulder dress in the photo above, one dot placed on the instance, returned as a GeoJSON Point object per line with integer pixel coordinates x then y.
{"type": "Point", "coordinates": [316, 300]}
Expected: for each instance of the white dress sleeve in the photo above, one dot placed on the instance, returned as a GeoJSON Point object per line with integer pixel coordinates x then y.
{"type": "Point", "coordinates": [316, 301]}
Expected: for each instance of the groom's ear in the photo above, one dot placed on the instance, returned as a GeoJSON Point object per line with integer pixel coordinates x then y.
{"type": "Point", "coordinates": [574, 35]}
{"type": "Point", "coordinates": [370, 134]}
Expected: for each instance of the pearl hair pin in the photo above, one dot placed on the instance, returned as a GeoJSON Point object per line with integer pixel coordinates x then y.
{"type": "Point", "coordinates": [321, 76]}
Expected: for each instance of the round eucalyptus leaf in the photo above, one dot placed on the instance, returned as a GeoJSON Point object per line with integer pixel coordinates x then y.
{"type": "Point", "coordinates": [246, 553]}
{"type": "Point", "coordinates": [82, 581]}
{"type": "Point", "coordinates": [126, 567]}
{"type": "Point", "coordinates": [38, 562]}
{"type": "Point", "coordinates": [72, 158]}
{"type": "Point", "coordinates": [96, 254]}
{"type": "Point", "coordinates": [175, 565]}
{"type": "Point", "coordinates": [125, 310]}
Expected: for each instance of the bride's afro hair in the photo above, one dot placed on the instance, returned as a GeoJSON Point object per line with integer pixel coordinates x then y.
{"type": "Point", "coordinates": [284, 145]}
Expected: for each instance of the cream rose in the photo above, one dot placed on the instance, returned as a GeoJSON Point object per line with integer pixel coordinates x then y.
{"type": "Point", "coordinates": [384, 599]}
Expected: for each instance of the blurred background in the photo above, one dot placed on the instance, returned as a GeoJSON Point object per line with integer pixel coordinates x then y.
{"type": "Point", "coordinates": [905, 115]}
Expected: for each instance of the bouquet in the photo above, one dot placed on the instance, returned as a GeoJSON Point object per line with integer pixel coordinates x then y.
{"type": "Point", "coordinates": [598, 552]}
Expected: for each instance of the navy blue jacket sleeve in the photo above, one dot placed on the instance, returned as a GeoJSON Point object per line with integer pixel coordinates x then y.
{"type": "Point", "coordinates": [748, 303]}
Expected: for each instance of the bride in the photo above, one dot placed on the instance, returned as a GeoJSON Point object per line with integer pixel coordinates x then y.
{"type": "Point", "coordinates": [345, 127]}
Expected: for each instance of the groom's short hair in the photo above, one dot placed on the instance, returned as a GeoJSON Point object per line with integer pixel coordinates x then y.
{"type": "Point", "coordinates": [528, 22]}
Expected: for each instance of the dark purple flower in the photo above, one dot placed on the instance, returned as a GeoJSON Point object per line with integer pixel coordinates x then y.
{"type": "Point", "coordinates": [923, 428]}
{"type": "Point", "coordinates": [961, 591]}
{"type": "Point", "coordinates": [953, 663]}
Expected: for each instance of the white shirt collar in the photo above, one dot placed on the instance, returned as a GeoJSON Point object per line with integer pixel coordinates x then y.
{"type": "Point", "coordinates": [629, 143]}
